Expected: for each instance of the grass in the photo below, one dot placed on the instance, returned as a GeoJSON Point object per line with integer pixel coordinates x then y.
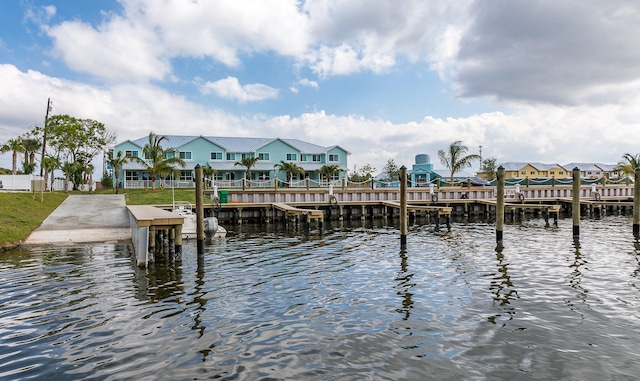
{"type": "Point", "coordinates": [20, 214]}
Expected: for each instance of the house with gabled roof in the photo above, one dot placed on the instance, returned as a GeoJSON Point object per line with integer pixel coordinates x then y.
{"type": "Point", "coordinates": [222, 154]}
{"type": "Point", "coordinates": [595, 170]}
{"type": "Point", "coordinates": [532, 170]}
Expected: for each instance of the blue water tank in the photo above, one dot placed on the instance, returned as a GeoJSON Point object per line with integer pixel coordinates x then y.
{"type": "Point", "coordinates": [422, 158]}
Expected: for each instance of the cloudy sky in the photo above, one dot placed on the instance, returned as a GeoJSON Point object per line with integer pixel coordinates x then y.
{"type": "Point", "coordinates": [541, 80]}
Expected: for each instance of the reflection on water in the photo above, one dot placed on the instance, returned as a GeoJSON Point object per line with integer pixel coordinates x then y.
{"type": "Point", "coordinates": [343, 303]}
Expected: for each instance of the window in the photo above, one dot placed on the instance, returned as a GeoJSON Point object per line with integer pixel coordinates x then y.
{"type": "Point", "coordinates": [315, 158]}
{"type": "Point", "coordinates": [523, 172]}
{"type": "Point", "coordinates": [216, 155]}
{"type": "Point", "coordinates": [131, 153]}
{"type": "Point", "coordinates": [552, 173]}
{"type": "Point", "coordinates": [263, 175]}
{"type": "Point", "coordinates": [131, 175]}
{"type": "Point", "coordinates": [247, 155]}
{"type": "Point", "coordinates": [333, 157]}
{"type": "Point", "coordinates": [263, 156]}
{"type": "Point", "coordinates": [217, 176]}
{"type": "Point", "coordinates": [185, 155]}
{"type": "Point", "coordinates": [533, 172]}
{"type": "Point", "coordinates": [231, 156]}
{"type": "Point", "coordinates": [292, 156]}
{"type": "Point", "coordinates": [170, 154]}
{"type": "Point", "coordinates": [561, 173]}
{"type": "Point", "coordinates": [186, 175]}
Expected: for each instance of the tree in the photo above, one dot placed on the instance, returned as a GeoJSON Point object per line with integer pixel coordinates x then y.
{"type": "Point", "coordinates": [365, 172]}
{"type": "Point", "coordinates": [15, 145]}
{"type": "Point", "coordinates": [290, 169]}
{"type": "Point", "coordinates": [68, 168]}
{"type": "Point", "coordinates": [628, 164]}
{"type": "Point", "coordinates": [489, 168]}
{"type": "Point", "coordinates": [117, 162]}
{"type": "Point", "coordinates": [328, 171]}
{"type": "Point", "coordinates": [76, 141]}
{"type": "Point", "coordinates": [392, 170]}
{"type": "Point", "coordinates": [157, 160]}
{"type": "Point", "coordinates": [456, 158]}
{"type": "Point", "coordinates": [208, 173]}
{"type": "Point", "coordinates": [30, 146]}
{"type": "Point", "coordinates": [49, 165]}
{"type": "Point", "coordinates": [248, 162]}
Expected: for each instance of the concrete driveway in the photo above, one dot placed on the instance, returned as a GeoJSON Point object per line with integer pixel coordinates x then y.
{"type": "Point", "coordinates": [84, 218]}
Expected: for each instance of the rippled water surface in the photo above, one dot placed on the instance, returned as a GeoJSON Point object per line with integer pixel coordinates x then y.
{"type": "Point", "coordinates": [346, 304]}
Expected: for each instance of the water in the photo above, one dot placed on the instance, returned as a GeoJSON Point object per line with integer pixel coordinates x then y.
{"type": "Point", "coordinates": [343, 305]}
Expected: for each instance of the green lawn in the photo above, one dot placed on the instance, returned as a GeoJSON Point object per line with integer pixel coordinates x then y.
{"type": "Point", "coordinates": [20, 213]}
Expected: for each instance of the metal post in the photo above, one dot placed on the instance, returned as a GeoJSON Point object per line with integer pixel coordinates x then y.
{"type": "Point", "coordinates": [403, 207]}
{"type": "Point", "coordinates": [575, 204]}
{"type": "Point", "coordinates": [500, 206]}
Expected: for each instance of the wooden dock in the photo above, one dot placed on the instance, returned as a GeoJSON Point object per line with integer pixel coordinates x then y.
{"type": "Point", "coordinates": [150, 224]}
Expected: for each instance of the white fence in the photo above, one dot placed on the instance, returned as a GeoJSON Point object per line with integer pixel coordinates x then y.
{"type": "Point", "coordinates": [23, 183]}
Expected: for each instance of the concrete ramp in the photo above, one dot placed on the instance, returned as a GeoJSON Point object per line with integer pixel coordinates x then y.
{"type": "Point", "coordinates": [84, 218]}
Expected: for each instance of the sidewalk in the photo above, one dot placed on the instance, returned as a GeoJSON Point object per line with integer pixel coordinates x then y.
{"type": "Point", "coordinates": [84, 218]}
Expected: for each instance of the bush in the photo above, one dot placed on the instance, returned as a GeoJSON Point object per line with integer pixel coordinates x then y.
{"type": "Point", "coordinates": [106, 181]}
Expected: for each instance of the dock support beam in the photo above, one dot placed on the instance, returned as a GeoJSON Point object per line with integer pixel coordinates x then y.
{"type": "Point", "coordinates": [500, 206]}
{"type": "Point", "coordinates": [199, 211]}
{"type": "Point", "coordinates": [575, 203]}
{"type": "Point", "coordinates": [403, 208]}
{"type": "Point", "coordinates": [636, 204]}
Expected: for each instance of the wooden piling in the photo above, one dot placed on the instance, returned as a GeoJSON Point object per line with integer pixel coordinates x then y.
{"type": "Point", "coordinates": [403, 207]}
{"type": "Point", "coordinates": [199, 211]}
{"type": "Point", "coordinates": [575, 203]}
{"type": "Point", "coordinates": [636, 204]}
{"type": "Point", "coordinates": [500, 206]}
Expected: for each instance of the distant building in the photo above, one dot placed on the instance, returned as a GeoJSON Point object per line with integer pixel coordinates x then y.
{"type": "Point", "coordinates": [221, 154]}
{"type": "Point", "coordinates": [594, 170]}
{"type": "Point", "coordinates": [422, 173]}
{"type": "Point", "coordinates": [532, 170]}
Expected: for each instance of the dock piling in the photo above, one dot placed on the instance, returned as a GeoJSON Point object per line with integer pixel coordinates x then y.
{"type": "Point", "coordinates": [500, 206]}
{"type": "Point", "coordinates": [199, 211]}
{"type": "Point", "coordinates": [575, 205]}
{"type": "Point", "coordinates": [403, 207]}
{"type": "Point", "coordinates": [636, 204]}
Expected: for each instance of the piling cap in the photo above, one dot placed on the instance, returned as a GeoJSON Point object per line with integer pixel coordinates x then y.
{"type": "Point", "coordinates": [197, 166]}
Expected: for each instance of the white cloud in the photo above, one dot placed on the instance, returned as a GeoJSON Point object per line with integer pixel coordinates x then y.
{"type": "Point", "coordinates": [541, 133]}
{"type": "Point", "coordinates": [309, 83]}
{"type": "Point", "coordinates": [119, 50]}
{"type": "Point", "coordinates": [231, 88]}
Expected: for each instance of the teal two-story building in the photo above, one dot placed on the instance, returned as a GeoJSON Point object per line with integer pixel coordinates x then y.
{"type": "Point", "coordinates": [222, 154]}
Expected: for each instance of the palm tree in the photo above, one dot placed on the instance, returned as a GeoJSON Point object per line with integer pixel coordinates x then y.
{"type": "Point", "coordinates": [248, 162]}
{"type": "Point", "coordinates": [156, 161]}
{"type": "Point", "coordinates": [14, 145]}
{"type": "Point", "coordinates": [329, 170]}
{"type": "Point", "coordinates": [628, 164]}
{"type": "Point", "coordinates": [30, 147]}
{"type": "Point", "coordinates": [456, 158]}
{"type": "Point", "coordinates": [117, 162]}
{"type": "Point", "coordinates": [50, 164]}
{"type": "Point", "coordinates": [290, 169]}
{"type": "Point", "coordinates": [208, 173]}
{"type": "Point", "coordinates": [68, 168]}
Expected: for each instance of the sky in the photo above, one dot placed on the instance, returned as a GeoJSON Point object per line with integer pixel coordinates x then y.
{"type": "Point", "coordinates": [534, 81]}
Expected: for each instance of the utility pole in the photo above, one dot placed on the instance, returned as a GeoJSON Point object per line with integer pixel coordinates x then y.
{"type": "Point", "coordinates": [44, 138]}
{"type": "Point", "coordinates": [480, 158]}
